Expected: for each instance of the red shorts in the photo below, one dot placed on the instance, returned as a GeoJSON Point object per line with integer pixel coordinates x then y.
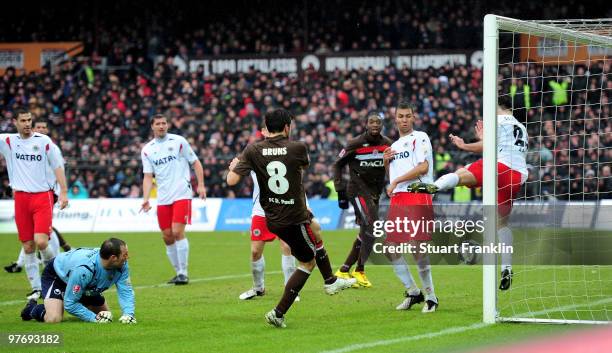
{"type": "Point", "coordinates": [33, 213]}
{"type": "Point", "coordinates": [178, 212]}
{"type": "Point", "coordinates": [409, 208]}
{"type": "Point", "coordinates": [509, 183]}
{"type": "Point", "coordinates": [259, 229]}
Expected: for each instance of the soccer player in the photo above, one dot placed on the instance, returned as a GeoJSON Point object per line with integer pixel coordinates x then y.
{"type": "Point", "coordinates": [511, 174]}
{"type": "Point", "coordinates": [75, 280]}
{"type": "Point", "coordinates": [364, 157]}
{"type": "Point", "coordinates": [278, 164]}
{"type": "Point", "coordinates": [410, 160]}
{"type": "Point", "coordinates": [260, 235]}
{"type": "Point", "coordinates": [56, 240]}
{"type": "Point", "coordinates": [169, 156]}
{"type": "Point", "coordinates": [30, 158]}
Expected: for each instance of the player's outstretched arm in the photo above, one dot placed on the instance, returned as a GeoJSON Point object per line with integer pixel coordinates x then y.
{"type": "Point", "coordinates": [232, 177]}
{"type": "Point", "coordinates": [125, 292]}
{"type": "Point", "coordinates": [475, 147]}
{"type": "Point", "coordinates": [77, 282]}
{"type": "Point", "coordinates": [147, 185]}
{"type": "Point", "coordinates": [199, 172]}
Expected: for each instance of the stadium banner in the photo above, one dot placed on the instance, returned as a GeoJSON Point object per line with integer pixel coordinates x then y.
{"type": "Point", "coordinates": [236, 214]}
{"type": "Point", "coordinates": [33, 56]}
{"type": "Point", "coordinates": [114, 215]}
{"type": "Point", "coordinates": [377, 60]}
{"type": "Point", "coordinates": [551, 51]}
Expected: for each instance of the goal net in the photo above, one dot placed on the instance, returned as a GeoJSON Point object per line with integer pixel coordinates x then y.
{"type": "Point", "coordinates": [557, 76]}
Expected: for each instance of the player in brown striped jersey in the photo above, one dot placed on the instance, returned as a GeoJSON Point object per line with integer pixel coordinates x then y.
{"type": "Point", "coordinates": [364, 157]}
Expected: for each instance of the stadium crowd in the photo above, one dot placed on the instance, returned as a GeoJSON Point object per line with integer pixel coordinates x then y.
{"type": "Point", "coordinates": [101, 121]}
{"type": "Point", "coordinates": [100, 118]}
{"type": "Point", "coordinates": [143, 28]}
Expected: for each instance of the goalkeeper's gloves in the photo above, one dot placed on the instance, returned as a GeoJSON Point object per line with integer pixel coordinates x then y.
{"type": "Point", "coordinates": [343, 201]}
{"type": "Point", "coordinates": [127, 319]}
{"type": "Point", "coordinates": [104, 317]}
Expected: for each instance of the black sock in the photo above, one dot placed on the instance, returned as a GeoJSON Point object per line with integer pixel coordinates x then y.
{"type": "Point", "coordinates": [324, 266]}
{"type": "Point", "coordinates": [292, 289]}
{"type": "Point", "coordinates": [352, 256]}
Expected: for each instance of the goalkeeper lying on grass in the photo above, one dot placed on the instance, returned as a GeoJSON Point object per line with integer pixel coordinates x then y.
{"type": "Point", "coordinates": [75, 280]}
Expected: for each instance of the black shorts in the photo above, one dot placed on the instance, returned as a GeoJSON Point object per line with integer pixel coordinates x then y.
{"type": "Point", "coordinates": [54, 288]}
{"type": "Point", "coordinates": [366, 209]}
{"type": "Point", "coordinates": [300, 239]}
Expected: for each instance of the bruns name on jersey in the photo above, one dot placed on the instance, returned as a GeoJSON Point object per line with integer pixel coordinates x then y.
{"type": "Point", "coordinates": [274, 151]}
{"type": "Point", "coordinates": [164, 160]}
{"type": "Point", "coordinates": [28, 157]}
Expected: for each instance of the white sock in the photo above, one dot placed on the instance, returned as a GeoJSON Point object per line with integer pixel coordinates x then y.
{"type": "Point", "coordinates": [54, 244]}
{"type": "Point", "coordinates": [447, 181]}
{"type": "Point", "coordinates": [505, 237]}
{"type": "Point", "coordinates": [32, 271]}
{"type": "Point", "coordinates": [182, 249]}
{"type": "Point", "coordinates": [257, 269]}
{"type": "Point", "coordinates": [425, 275]}
{"type": "Point", "coordinates": [173, 256]}
{"type": "Point", "coordinates": [288, 265]}
{"type": "Point", "coordinates": [400, 267]}
{"type": "Point", "coordinates": [21, 259]}
{"type": "Point", "coordinates": [46, 254]}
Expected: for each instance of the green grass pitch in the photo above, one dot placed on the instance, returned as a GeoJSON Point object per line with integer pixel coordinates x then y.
{"type": "Point", "coordinates": [207, 315]}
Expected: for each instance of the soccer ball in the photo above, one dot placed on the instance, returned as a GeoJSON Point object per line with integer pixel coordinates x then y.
{"type": "Point", "coordinates": [469, 252]}
{"type": "Point", "coordinates": [104, 317]}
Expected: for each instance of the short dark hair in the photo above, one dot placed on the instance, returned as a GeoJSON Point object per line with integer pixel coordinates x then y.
{"type": "Point", "coordinates": [41, 121]}
{"type": "Point", "coordinates": [158, 116]}
{"type": "Point", "coordinates": [405, 104]}
{"type": "Point", "coordinates": [277, 119]}
{"type": "Point", "coordinates": [505, 101]}
{"type": "Point", "coordinates": [111, 247]}
{"type": "Point", "coordinates": [21, 112]}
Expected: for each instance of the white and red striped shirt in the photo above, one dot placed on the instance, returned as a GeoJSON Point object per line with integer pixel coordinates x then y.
{"type": "Point", "coordinates": [31, 162]}
{"type": "Point", "coordinates": [411, 150]}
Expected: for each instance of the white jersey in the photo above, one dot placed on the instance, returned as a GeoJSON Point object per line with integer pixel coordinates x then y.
{"type": "Point", "coordinates": [257, 209]}
{"type": "Point", "coordinates": [512, 143]}
{"type": "Point", "coordinates": [31, 162]}
{"type": "Point", "coordinates": [169, 159]}
{"type": "Point", "coordinates": [411, 150]}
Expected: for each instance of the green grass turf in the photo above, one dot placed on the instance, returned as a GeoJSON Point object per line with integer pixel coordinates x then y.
{"type": "Point", "coordinates": [207, 316]}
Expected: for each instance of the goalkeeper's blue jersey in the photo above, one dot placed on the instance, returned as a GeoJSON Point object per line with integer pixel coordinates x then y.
{"type": "Point", "coordinates": [81, 269]}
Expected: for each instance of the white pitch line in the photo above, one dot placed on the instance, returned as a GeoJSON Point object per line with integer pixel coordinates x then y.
{"type": "Point", "coordinates": [448, 331]}
{"type": "Point", "coordinates": [162, 285]}
{"type": "Point", "coordinates": [458, 329]}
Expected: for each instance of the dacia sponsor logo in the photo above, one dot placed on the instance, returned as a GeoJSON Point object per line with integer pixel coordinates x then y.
{"type": "Point", "coordinates": [164, 160]}
{"type": "Point", "coordinates": [378, 163]}
{"type": "Point", "coordinates": [401, 155]}
{"type": "Point", "coordinates": [29, 157]}
{"type": "Point", "coordinates": [276, 151]}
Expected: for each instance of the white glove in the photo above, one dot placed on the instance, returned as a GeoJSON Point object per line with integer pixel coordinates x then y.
{"type": "Point", "coordinates": [104, 317]}
{"type": "Point", "coordinates": [127, 319]}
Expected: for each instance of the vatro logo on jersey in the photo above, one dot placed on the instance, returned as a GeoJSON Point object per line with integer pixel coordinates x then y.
{"type": "Point", "coordinates": [76, 289]}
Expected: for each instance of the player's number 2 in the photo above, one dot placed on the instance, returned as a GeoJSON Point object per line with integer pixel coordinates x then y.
{"type": "Point", "coordinates": [277, 183]}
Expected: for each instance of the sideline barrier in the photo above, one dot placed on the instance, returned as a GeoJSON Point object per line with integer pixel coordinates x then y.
{"type": "Point", "coordinates": [115, 215]}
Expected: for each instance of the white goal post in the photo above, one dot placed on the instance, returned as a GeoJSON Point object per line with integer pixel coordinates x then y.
{"type": "Point", "coordinates": [558, 35]}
